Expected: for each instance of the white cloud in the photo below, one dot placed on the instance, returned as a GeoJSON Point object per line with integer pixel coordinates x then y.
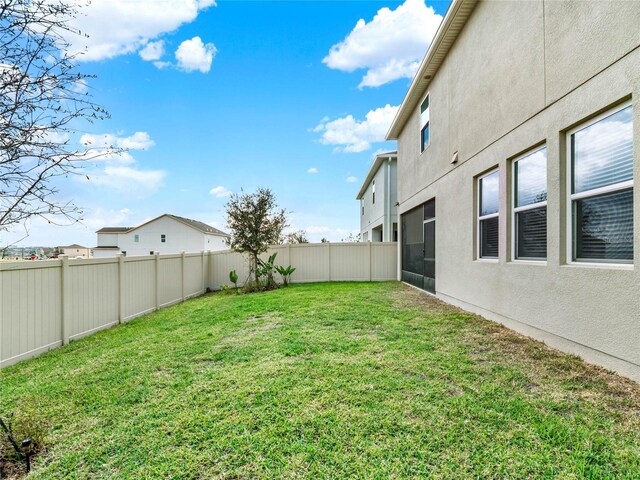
{"type": "Point", "coordinates": [117, 169]}
{"type": "Point", "coordinates": [101, 217]}
{"type": "Point", "coordinates": [351, 179]}
{"type": "Point", "coordinates": [312, 170]}
{"type": "Point", "coordinates": [161, 65]}
{"type": "Point", "coordinates": [117, 27]}
{"type": "Point", "coordinates": [128, 179]}
{"type": "Point", "coordinates": [220, 192]}
{"type": "Point", "coordinates": [137, 141]}
{"type": "Point", "coordinates": [195, 55]}
{"type": "Point", "coordinates": [351, 135]}
{"type": "Point", "coordinates": [390, 46]}
{"type": "Point", "coordinates": [152, 51]}
{"type": "Point", "coordinates": [316, 229]}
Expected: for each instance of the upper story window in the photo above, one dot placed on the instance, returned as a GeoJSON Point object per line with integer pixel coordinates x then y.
{"type": "Point", "coordinates": [424, 124]}
{"type": "Point", "coordinates": [163, 238]}
{"type": "Point", "coordinates": [601, 188]}
{"type": "Point", "coordinates": [530, 205]}
{"type": "Point", "coordinates": [374, 192]}
{"type": "Point", "coordinates": [488, 214]}
{"type": "Point", "coordinates": [362, 206]}
{"type": "Point", "coordinates": [136, 238]}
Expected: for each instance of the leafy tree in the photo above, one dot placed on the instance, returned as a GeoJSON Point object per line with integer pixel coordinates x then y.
{"type": "Point", "coordinates": [255, 222]}
{"type": "Point", "coordinates": [324, 240]}
{"type": "Point", "coordinates": [43, 99]}
{"type": "Point", "coordinates": [299, 236]}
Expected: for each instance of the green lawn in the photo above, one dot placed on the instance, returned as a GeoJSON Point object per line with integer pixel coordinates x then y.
{"type": "Point", "coordinates": [340, 380]}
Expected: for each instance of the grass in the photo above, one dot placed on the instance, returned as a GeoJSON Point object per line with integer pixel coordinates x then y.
{"type": "Point", "coordinates": [338, 380]}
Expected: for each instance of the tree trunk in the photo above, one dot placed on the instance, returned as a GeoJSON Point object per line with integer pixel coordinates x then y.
{"type": "Point", "coordinates": [255, 269]}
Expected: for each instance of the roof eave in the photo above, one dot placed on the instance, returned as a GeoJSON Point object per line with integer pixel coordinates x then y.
{"type": "Point", "coordinates": [453, 22]}
{"type": "Point", "coordinates": [375, 166]}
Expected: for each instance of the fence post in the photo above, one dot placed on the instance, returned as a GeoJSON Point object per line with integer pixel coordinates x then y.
{"type": "Point", "coordinates": [288, 255]}
{"type": "Point", "coordinates": [370, 274]}
{"type": "Point", "coordinates": [203, 271]}
{"type": "Point", "coordinates": [120, 286]}
{"type": "Point", "coordinates": [210, 270]}
{"type": "Point", "coordinates": [66, 299]}
{"type": "Point", "coordinates": [183, 274]}
{"type": "Point", "coordinates": [328, 247]}
{"type": "Point", "coordinates": [157, 254]}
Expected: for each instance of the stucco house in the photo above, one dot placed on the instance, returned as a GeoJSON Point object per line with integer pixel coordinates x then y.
{"type": "Point", "coordinates": [74, 251]}
{"type": "Point", "coordinates": [164, 234]}
{"type": "Point", "coordinates": [518, 149]}
{"type": "Point", "coordinates": [378, 197]}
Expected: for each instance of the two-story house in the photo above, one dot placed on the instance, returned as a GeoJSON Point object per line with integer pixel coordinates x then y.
{"type": "Point", "coordinates": [164, 234]}
{"type": "Point", "coordinates": [518, 150]}
{"type": "Point", "coordinates": [378, 197]}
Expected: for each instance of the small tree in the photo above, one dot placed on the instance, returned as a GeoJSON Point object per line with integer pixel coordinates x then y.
{"type": "Point", "coordinates": [299, 236]}
{"type": "Point", "coordinates": [255, 222]}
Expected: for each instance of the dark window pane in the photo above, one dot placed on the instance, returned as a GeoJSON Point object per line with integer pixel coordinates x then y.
{"type": "Point", "coordinates": [430, 209]}
{"type": "Point", "coordinates": [412, 241]}
{"type": "Point", "coordinates": [489, 238]}
{"type": "Point", "coordinates": [531, 234]}
{"type": "Point", "coordinates": [603, 227]}
{"type": "Point", "coordinates": [489, 198]}
{"type": "Point", "coordinates": [430, 249]}
{"type": "Point", "coordinates": [602, 153]}
{"type": "Point", "coordinates": [425, 105]}
{"type": "Point", "coordinates": [531, 178]}
{"type": "Point", "coordinates": [425, 137]}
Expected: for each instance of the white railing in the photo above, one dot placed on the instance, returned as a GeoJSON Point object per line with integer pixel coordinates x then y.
{"type": "Point", "coordinates": [44, 305]}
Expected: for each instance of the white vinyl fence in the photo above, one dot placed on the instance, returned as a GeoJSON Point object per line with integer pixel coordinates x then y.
{"type": "Point", "coordinates": [46, 304]}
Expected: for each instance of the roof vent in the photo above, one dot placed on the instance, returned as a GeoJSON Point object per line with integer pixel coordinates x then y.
{"type": "Point", "coordinates": [454, 159]}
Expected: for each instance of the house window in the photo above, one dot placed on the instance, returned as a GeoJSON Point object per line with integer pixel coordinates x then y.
{"type": "Point", "coordinates": [424, 124]}
{"type": "Point", "coordinates": [530, 205]}
{"type": "Point", "coordinates": [362, 205]}
{"type": "Point", "coordinates": [601, 188]}
{"type": "Point", "coordinates": [488, 214]}
{"type": "Point", "coordinates": [374, 192]}
{"type": "Point", "coordinates": [136, 238]}
{"type": "Point", "coordinates": [163, 238]}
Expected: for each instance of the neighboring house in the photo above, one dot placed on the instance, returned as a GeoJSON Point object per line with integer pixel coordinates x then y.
{"type": "Point", "coordinates": [74, 251]}
{"type": "Point", "coordinates": [164, 234]}
{"type": "Point", "coordinates": [518, 144]}
{"type": "Point", "coordinates": [378, 197]}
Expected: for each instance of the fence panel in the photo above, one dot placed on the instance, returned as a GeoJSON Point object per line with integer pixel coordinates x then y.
{"type": "Point", "coordinates": [384, 261]}
{"type": "Point", "coordinates": [311, 261]}
{"type": "Point", "coordinates": [30, 310]}
{"type": "Point", "coordinates": [139, 287]}
{"type": "Point", "coordinates": [94, 299]}
{"type": "Point", "coordinates": [170, 279]}
{"type": "Point", "coordinates": [351, 262]}
{"type": "Point", "coordinates": [193, 275]}
{"type": "Point", "coordinates": [222, 263]}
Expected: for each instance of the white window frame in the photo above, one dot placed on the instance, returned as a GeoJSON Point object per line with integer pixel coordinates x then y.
{"type": "Point", "coordinates": [590, 193]}
{"type": "Point", "coordinates": [422, 124]}
{"type": "Point", "coordinates": [486, 217]}
{"type": "Point", "coordinates": [136, 238]}
{"type": "Point", "coordinates": [373, 191]}
{"type": "Point", "coordinates": [514, 209]}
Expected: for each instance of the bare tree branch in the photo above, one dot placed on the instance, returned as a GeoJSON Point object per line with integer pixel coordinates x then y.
{"type": "Point", "coordinates": [42, 103]}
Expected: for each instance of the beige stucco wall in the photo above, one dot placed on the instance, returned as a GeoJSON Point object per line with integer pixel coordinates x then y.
{"type": "Point", "coordinates": [519, 75]}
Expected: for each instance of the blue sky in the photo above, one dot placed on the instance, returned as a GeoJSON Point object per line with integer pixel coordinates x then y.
{"type": "Point", "coordinates": [212, 99]}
